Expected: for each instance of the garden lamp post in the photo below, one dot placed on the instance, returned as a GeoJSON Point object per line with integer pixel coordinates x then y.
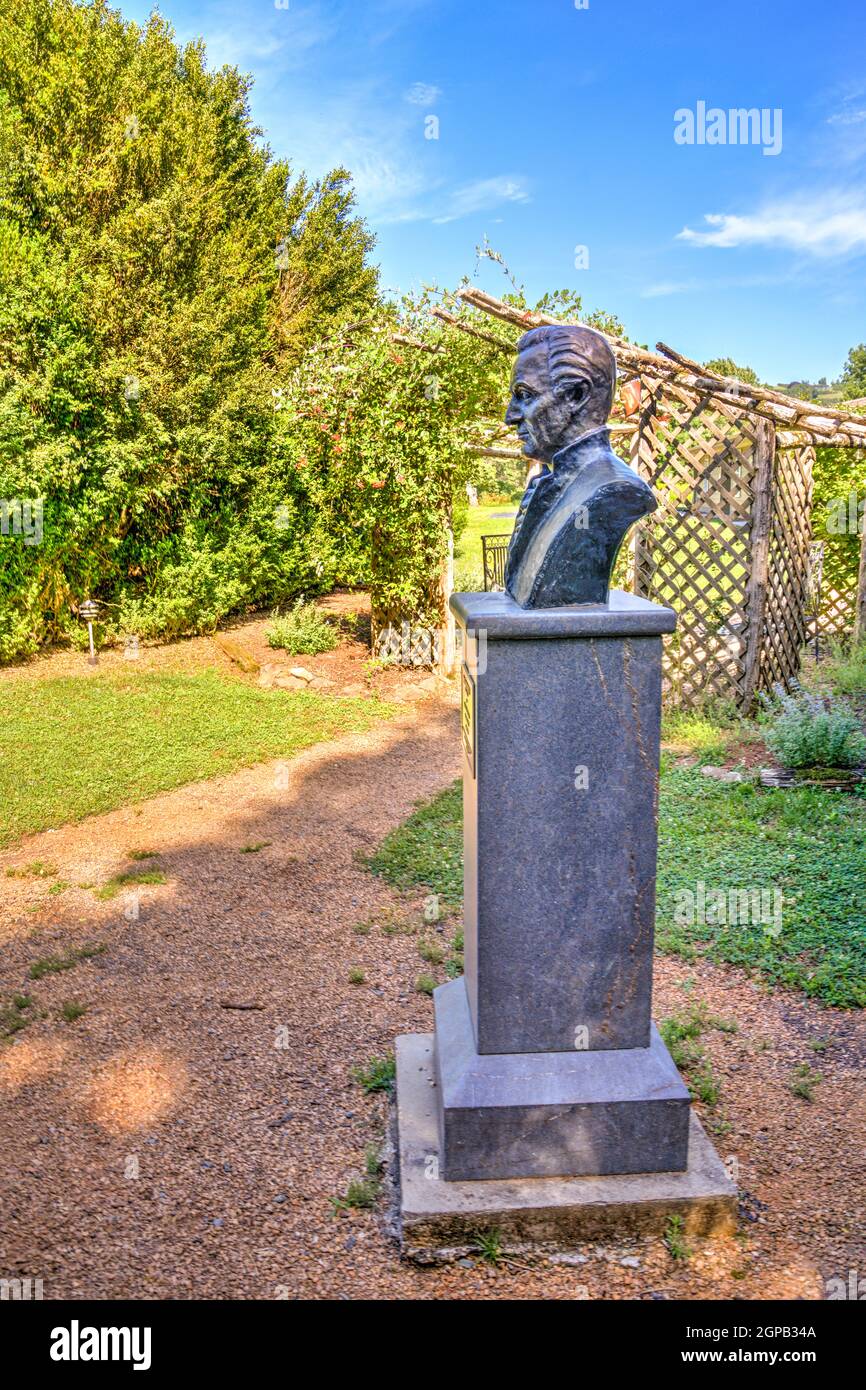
{"type": "Point", "coordinates": [89, 612]}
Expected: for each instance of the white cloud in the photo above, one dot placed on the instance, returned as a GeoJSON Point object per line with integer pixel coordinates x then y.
{"type": "Point", "coordinates": [666, 287]}
{"type": "Point", "coordinates": [484, 194]}
{"type": "Point", "coordinates": [385, 186]}
{"type": "Point", "coordinates": [850, 117]}
{"type": "Point", "coordinates": [241, 48]}
{"type": "Point", "coordinates": [422, 94]}
{"type": "Point", "coordinates": [663, 288]}
{"type": "Point", "coordinates": [276, 39]}
{"type": "Point", "coordinates": [382, 146]}
{"type": "Point", "coordinates": [826, 224]}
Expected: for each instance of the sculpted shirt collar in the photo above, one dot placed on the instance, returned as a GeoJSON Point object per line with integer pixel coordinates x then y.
{"type": "Point", "coordinates": [581, 451]}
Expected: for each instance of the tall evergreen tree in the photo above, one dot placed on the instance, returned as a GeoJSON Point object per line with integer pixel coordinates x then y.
{"type": "Point", "coordinates": [159, 271]}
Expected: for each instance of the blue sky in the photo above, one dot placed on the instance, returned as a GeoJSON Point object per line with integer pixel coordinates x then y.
{"type": "Point", "coordinates": [556, 131]}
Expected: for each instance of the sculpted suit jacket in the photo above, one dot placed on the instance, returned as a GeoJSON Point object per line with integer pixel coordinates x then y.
{"type": "Point", "coordinates": [571, 523]}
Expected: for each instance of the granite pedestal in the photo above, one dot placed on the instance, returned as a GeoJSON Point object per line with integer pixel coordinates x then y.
{"type": "Point", "coordinates": [546, 1063]}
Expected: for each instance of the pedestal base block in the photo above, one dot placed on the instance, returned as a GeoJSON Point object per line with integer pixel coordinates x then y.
{"type": "Point", "coordinates": [553, 1114]}
{"type": "Point", "coordinates": [439, 1219]}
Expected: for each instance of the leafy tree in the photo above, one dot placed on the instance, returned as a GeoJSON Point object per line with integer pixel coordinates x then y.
{"type": "Point", "coordinates": [196, 373]}
{"type": "Point", "coordinates": [726, 366]}
{"type": "Point", "coordinates": [853, 381]}
{"type": "Point", "coordinates": [159, 270]}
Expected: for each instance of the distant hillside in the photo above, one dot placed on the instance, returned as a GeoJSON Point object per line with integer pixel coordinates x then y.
{"type": "Point", "coordinates": [823, 392]}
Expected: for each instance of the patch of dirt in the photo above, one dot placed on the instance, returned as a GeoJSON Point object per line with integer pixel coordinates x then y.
{"type": "Point", "coordinates": [164, 1146]}
{"type": "Point", "coordinates": [748, 753]}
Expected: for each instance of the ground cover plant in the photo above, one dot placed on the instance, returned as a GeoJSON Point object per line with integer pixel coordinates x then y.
{"type": "Point", "coordinates": [806, 844]}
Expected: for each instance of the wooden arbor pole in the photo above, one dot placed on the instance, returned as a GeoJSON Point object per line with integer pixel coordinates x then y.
{"type": "Point", "coordinates": [762, 519]}
{"type": "Point", "coordinates": [860, 608]}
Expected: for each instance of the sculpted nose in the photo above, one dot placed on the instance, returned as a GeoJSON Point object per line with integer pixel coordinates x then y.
{"type": "Point", "coordinates": [513, 415]}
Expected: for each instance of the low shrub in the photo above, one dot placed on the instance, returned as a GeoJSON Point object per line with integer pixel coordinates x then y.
{"type": "Point", "coordinates": [302, 630]}
{"type": "Point", "coordinates": [846, 668]}
{"type": "Point", "coordinates": [813, 730]}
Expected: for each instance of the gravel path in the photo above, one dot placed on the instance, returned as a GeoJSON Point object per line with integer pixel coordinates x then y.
{"type": "Point", "coordinates": [165, 1146]}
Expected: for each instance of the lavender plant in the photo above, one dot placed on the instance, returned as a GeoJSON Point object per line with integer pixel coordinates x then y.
{"type": "Point", "coordinates": [811, 730]}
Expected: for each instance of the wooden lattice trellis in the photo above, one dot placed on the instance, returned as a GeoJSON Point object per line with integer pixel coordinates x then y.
{"type": "Point", "coordinates": [784, 621]}
{"type": "Point", "coordinates": [836, 614]}
{"type": "Point", "coordinates": [692, 554]}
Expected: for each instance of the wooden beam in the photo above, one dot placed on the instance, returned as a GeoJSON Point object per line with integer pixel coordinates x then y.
{"type": "Point", "coordinates": [805, 410]}
{"type": "Point", "coordinates": [406, 341]}
{"type": "Point", "coordinates": [830, 425]}
{"type": "Point", "coordinates": [454, 322]}
{"type": "Point", "coordinates": [756, 592]}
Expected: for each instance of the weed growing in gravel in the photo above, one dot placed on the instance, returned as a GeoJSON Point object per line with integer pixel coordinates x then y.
{"type": "Point", "coordinates": [135, 876]}
{"type": "Point", "coordinates": [13, 1015]}
{"type": "Point", "coordinates": [680, 1033]}
{"type": "Point", "coordinates": [803, 1081]}
{"type": "Point", "coordinates": [356, 975]}
{"type": "Point", "coordinates": [432, 951]}
{"type": "Point", "coordinates": [675, 1241]}
{"type": "Point", "coordinates": [54, 965]}
{"type": "Point", "coordinates": [59, 887]}
{"type": "Point", "coordinates": [395, 923]}
{"type": "Point", "coordinates": [488, 1244]}
{"type": "Point", "coordinates": [140, 854]}
{"type": "Point", "coordinates": [378, 1075]}
{"type": "Point", "coordinates": [704, 1084]}
{"type": "Point", "coordinates": [35, 870]}
{"type": "Point", "coordinates": [425, 984]}
{"type": "Point", "coordinates": [361, 1194]}
{"type": "Point", "coordinates": [255, 847]}
{"type": "Point", "coordinates": [819, 1044]}
{"type": "Point", "coordinates": [373, 1161]}
{"type": "Point", "coordinates": [716, 1125]}
{"type": "Point", "coordinates": [71, 1010]}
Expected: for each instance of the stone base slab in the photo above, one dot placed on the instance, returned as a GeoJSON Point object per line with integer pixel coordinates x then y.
{"type": "Point", "coordinates": [439, 1220]}
{"type": "Point", "coordinates": [553, 1114]}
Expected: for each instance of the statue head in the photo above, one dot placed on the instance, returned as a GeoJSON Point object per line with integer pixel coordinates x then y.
{"type": "Point", "coordinates": [562, 386]}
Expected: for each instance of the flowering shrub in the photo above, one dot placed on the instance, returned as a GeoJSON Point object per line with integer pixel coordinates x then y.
{"type": "Point", "coordinates": [809, 730]}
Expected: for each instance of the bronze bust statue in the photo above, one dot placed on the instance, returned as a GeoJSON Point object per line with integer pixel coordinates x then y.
{"type": "Point", "coordinates": [575, 513]}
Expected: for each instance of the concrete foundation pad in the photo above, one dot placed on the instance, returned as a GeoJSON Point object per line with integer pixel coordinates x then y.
{"type": "Point", "coordinates": [438, 1220]}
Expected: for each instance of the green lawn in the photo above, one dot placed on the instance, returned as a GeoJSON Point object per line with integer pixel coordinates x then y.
{"type": "Point", "coordinates": [809, 843]}
{"type": "Point", "coordinates": [73, 746]}
{"type": "Point", "coordinates": [482, 521]}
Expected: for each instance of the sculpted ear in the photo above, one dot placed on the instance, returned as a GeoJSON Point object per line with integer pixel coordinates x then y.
{"type": "Point", "coordinates": [576, 392]}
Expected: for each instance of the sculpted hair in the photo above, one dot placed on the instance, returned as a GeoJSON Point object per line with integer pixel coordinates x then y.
{"type": "Point", "coordinates": [575, 353]}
